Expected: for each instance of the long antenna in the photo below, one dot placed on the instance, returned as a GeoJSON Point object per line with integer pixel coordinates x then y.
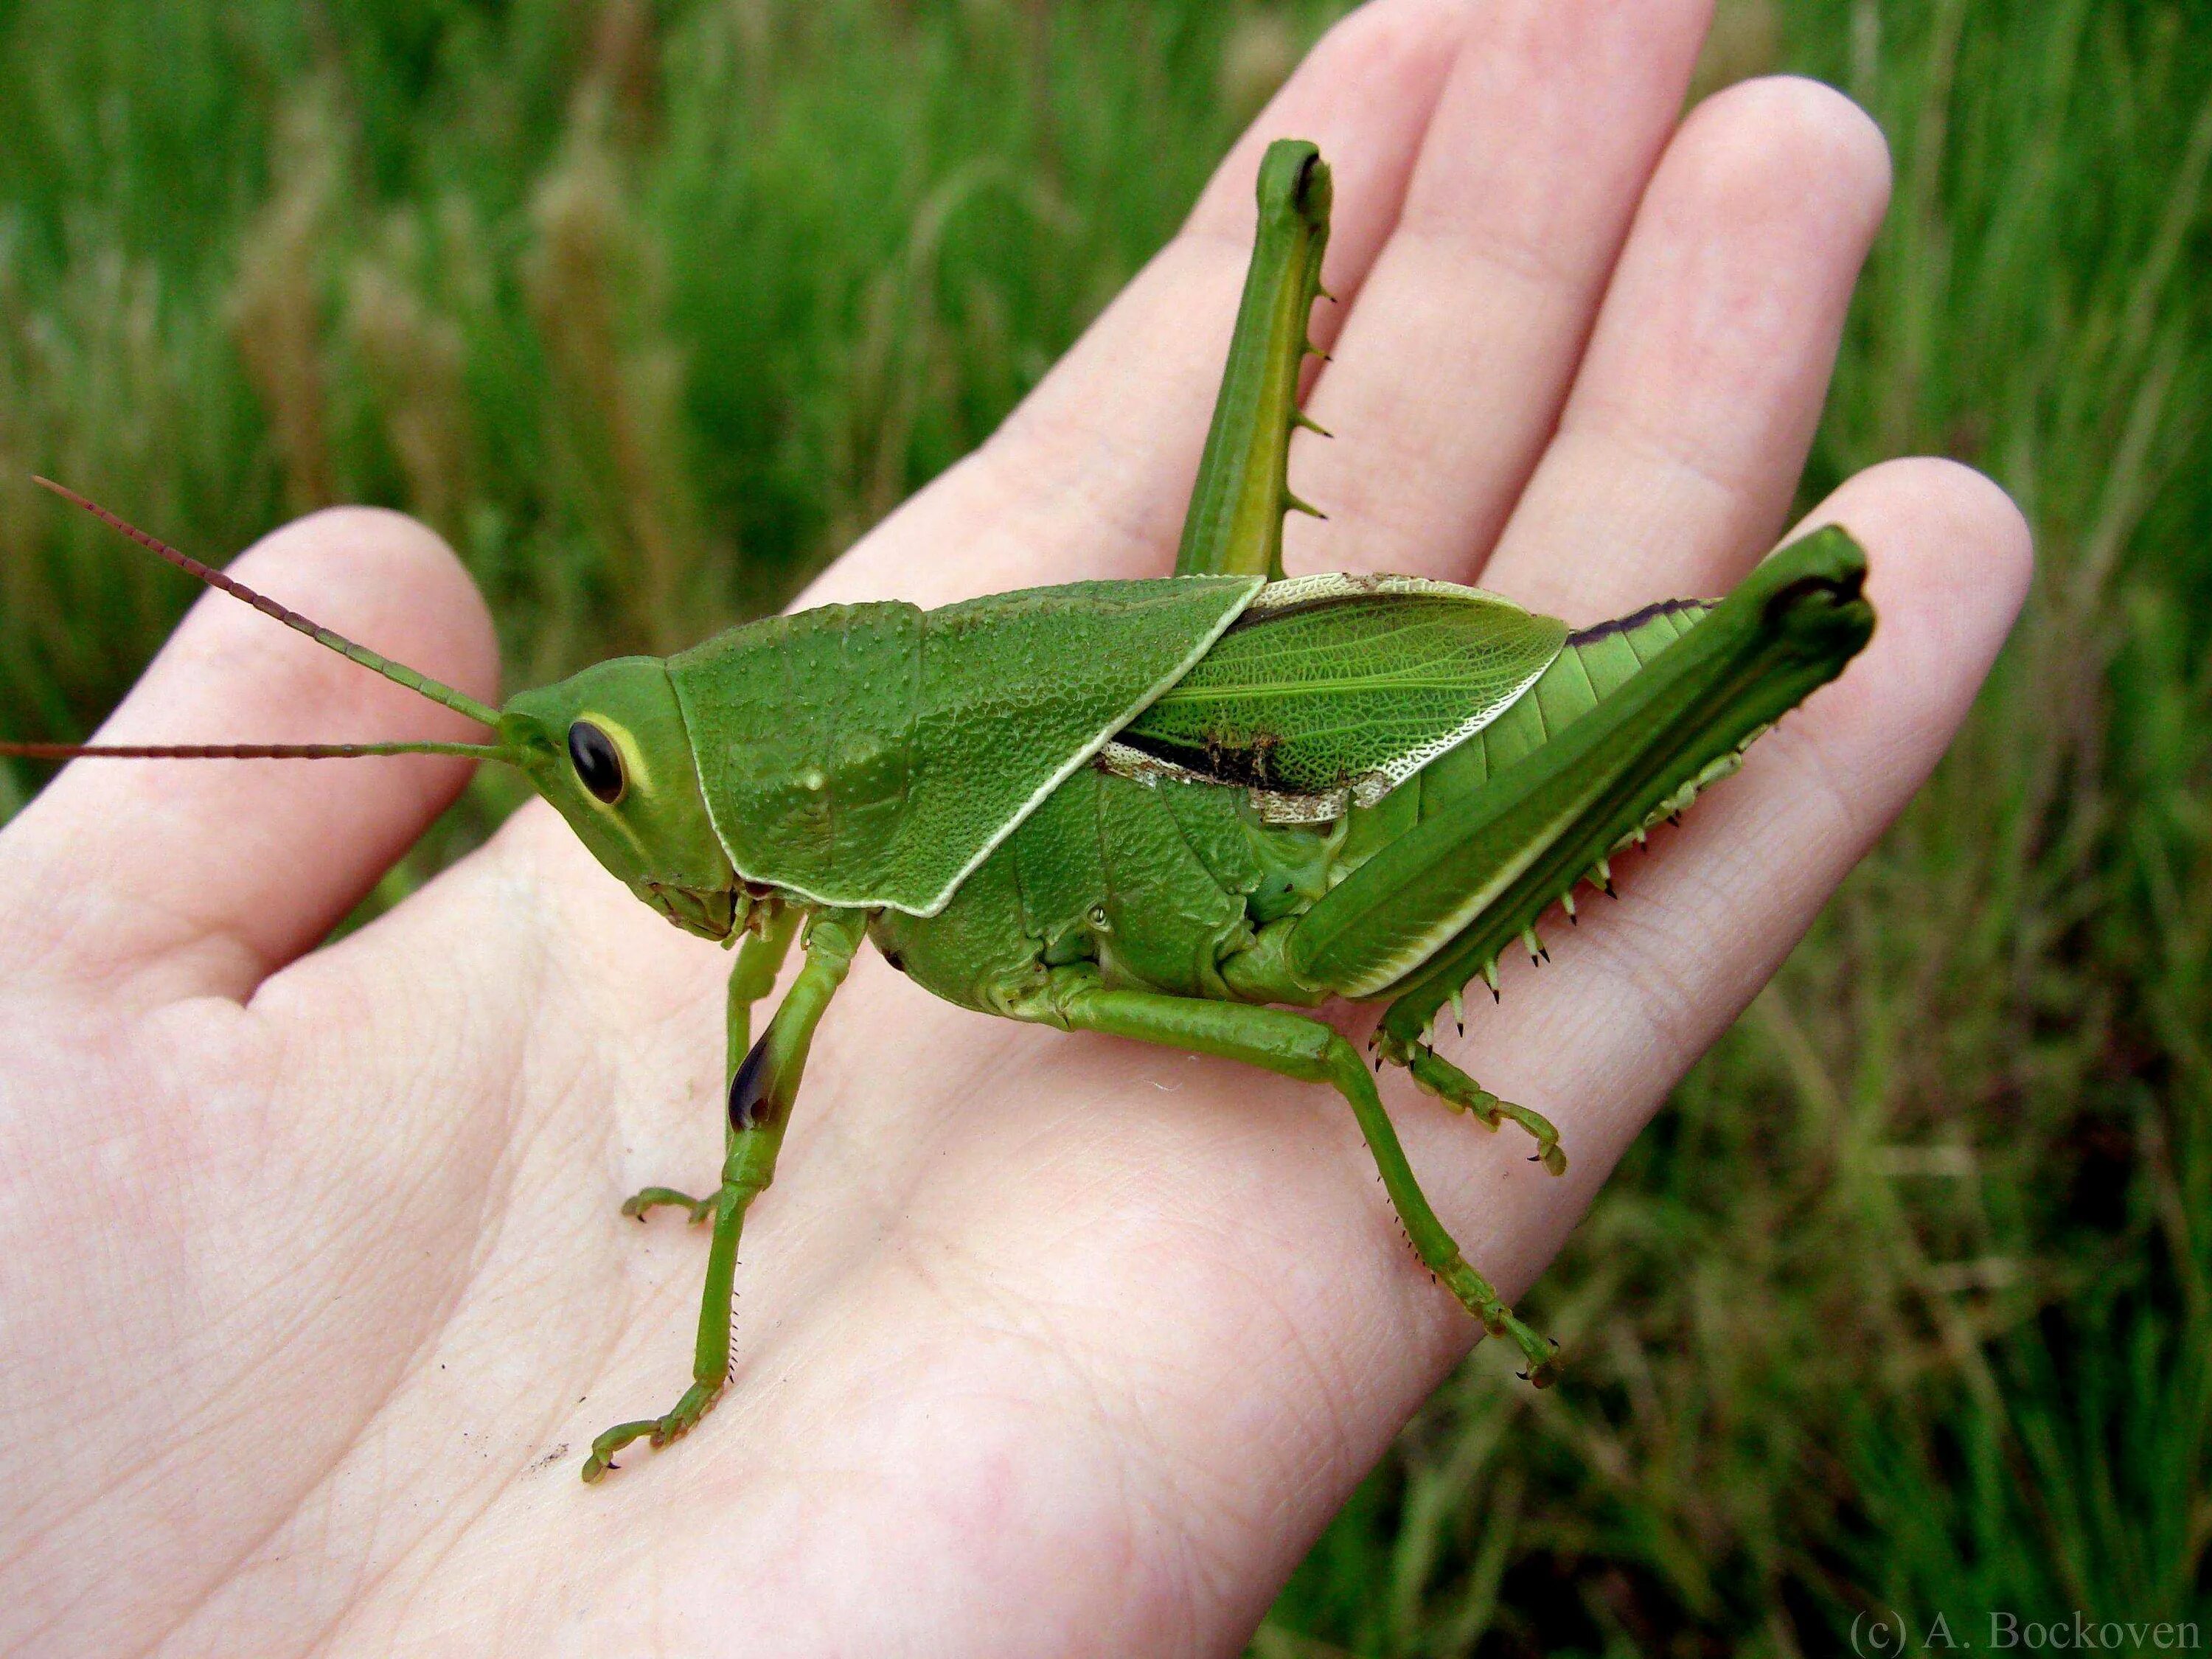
{"type": "Point", "coordinates": [413, 679]}
{"type": "Point", "coordinates": [65, 752]}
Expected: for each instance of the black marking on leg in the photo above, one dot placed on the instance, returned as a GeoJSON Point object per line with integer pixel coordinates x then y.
{"type": "Point", "coordinates": [748, 1088]}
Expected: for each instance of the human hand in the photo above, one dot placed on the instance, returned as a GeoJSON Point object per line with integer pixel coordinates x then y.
{"type": "Point", "coordinates": [311, 1281]}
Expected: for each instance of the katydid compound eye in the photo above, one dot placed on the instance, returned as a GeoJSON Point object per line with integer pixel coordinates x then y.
{"type": "Point", "coordinates": [596, 761]}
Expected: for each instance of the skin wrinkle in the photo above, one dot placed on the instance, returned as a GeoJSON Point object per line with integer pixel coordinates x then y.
{"type": "Point", "coordinates": [492, 1213]}
{"type": "Point", "coordinates": [662, 1301]}
{"type": "Point", "coordinates": [1603, 414]}
{"type": "Point", "coordinates": [177, 1447]}
{"type": "Point", "coordinates": [951, 1263]}
{"type": "Point", "coordinates": [240, 1557]}
{"type": "Point", "coordinates": [1118, 1430]}
{"type": "Point", "coordinates": [1013, 1431]}
{"type": "Point", "coordinates": [282, 1339]}
{"type": "Point", "coordinates": [1179, 1473]}
{"type": "Point", "coordinates": [1812, 767]}
{"type": "Point", "coordinates": [1541, 67]}
{"type": "Point", "coordinates": [1452, 244]}
{"type": "Point", "coordinates": [1665, 257]}
{"type": "Point", "coordinates": [1674, 457]}
{"type": "Point", "coordinates": [444, 1531]}
{"type": "Point", "coordinates": [1079, 455]}
{"type": "Point", "coordinates": [824, 1266]}
{"type": "Point", "coordinates": [205, 954]}
{"type": "Point", "coordinates": [1115, 540]}
{"type": "Point", "coordinates": [830, 1144]}
{"type": "Point", "coordinates": [447, 1532]}
{"type": "Point", "coordinates": [830, 1130]}
{"type": "Point", "coordinates": [991, 1312]}
{"type": "Point", "coordinates": [422, 1108]}
{"type": "Point", "coordinates": [1217, 1239]}
{"type": "Point", "coordinates": [31, 938]}
{"type": "Point", "coordinates": [202, 955]}
{"type": "Point", "coordinates": [1319, 1415]}
{"type": "Point", "coordinates": [1379, 514]}
{"type": "Point", "coordinates": [1664, 1008]}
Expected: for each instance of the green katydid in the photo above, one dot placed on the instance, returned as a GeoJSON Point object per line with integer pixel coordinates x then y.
{"type": "Point", "coordinates": [1175, 810]}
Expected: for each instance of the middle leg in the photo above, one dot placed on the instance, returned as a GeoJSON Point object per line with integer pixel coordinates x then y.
{"type": "Point", "coordinates": [754, 977]}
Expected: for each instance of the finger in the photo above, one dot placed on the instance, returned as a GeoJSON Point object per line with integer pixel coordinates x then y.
{"type": "Point", "coordinates": [1690, 418]}
{"type": "Point", "coordinates": [1090, 475]}
{"type": "Point", "coordinates": [189, 878]}
{"type": "Point", "coordinates": [1454, 362]}
{"type": "Point", "coordinates": [1640, 989]}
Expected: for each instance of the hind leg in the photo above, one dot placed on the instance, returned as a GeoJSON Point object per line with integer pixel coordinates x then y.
{"type": "Point", "coordinates": [1292, 1045]}
{"type": "Point", "coordinates": [1435, 1075]}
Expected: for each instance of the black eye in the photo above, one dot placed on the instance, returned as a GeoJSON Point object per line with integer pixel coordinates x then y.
{"type": "Point", "coordinates": [596, 761]}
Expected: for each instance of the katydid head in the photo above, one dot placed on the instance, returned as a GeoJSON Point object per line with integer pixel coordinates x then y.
{"type": "Point", "coordinates": [607, 747]}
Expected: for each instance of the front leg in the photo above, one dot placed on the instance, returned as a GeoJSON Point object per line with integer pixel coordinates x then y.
{"type": "Point", "coordinates": [751, 979]}
{"type": "Point", "coordinates": [762, 1083]}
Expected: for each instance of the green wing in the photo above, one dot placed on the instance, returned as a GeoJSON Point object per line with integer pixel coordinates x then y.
{"type": "Point", "coordinates": [873, 754]}
{"type": "Point", "coordinates": [1331, 691]}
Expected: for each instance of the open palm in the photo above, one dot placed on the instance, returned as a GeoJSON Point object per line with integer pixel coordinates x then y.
{"type": "Point", "coordinates": [311, 1280]}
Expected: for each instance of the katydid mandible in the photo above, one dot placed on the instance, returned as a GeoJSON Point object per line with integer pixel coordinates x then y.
{"type": "Point", "coordinates": [1175, 810]}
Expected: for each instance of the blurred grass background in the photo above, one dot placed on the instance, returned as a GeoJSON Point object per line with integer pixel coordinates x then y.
{"type": "Point", "coordinates": [652, 309]}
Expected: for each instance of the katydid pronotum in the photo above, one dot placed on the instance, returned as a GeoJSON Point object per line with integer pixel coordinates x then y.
{"type": "Point", "coordinates": [1175, 810]}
